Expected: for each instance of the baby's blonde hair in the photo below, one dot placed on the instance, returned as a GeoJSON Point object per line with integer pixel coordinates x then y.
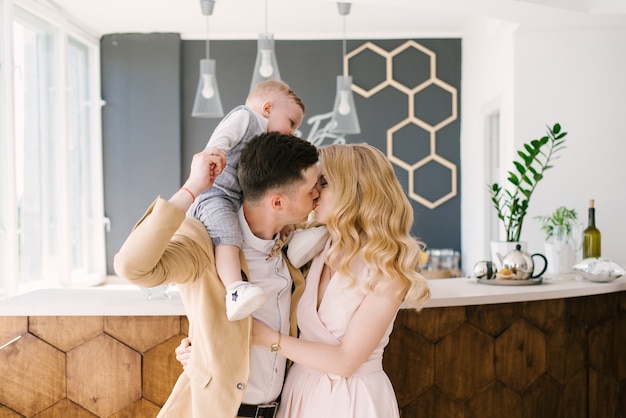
{"type": "Point", "coordinates": [274, 91]}
{"type": "Point", "coordinates": [370, 202]}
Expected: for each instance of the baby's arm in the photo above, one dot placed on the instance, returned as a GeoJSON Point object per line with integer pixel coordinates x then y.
{"type": "Point", "coordinates": [306, 244]}
{"type": "Point", "coordinates": [219, 165]}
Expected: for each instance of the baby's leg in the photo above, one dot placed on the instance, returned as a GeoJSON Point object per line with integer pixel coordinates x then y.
{"type": "Point", "coordinates": [242, 298]}
{"type": "Point", "coordinates": [228, 264]}
{"type": "Point", "coordinates": [219, 215]}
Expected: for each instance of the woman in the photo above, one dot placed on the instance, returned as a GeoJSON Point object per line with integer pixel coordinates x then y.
{"type": "Point", "coordinates": [354, 289]}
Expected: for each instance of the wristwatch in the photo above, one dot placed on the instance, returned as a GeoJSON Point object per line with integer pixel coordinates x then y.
{"type": "Point", "coordinates": [276, 346]}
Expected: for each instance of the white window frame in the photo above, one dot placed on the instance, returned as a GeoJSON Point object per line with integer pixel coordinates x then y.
{"type": "Point", "coordinates": [65, 275]}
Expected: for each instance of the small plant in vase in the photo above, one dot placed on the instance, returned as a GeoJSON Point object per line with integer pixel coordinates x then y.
{"type": "Point", "coordinates": [562, 220]}
{"type": "Point", "coordinates": [512, 204]}
{"type": "Point", "coordinates": [563, 240]}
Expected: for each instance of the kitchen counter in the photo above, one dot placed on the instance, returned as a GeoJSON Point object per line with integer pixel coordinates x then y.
{"type": "Point", "coordinates": [548, 350]}
{"type": "Point", "coordinates": [126, 299]}
{"type": "Point", "coordinates": [467, 291]}
{"type": "Point", "coordinates": [112, 300]}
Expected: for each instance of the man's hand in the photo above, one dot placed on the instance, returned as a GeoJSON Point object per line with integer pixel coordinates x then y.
{"type": "Point", "coordinates": [183, 352]}
{"type": "Point", "coordinates": [262, 334]}
{"type": "Point", "coordinates": [205, 166]}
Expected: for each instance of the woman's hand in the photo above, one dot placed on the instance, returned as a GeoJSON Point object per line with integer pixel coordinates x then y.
{"type": "Point", "coordinates": [183, 352]}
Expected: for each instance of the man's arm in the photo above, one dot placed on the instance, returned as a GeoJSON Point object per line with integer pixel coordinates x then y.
{"type": "Point", "coordinates": [201, 177]}
{"type": "Point", "coordinates": [154, 253]}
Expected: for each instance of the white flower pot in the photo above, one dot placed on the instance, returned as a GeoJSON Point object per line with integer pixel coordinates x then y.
{"type": "Point", "coordinates": [559, 262]}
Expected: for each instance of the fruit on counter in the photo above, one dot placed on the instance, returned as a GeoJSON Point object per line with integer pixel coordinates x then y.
{"type": "Point", "coordinates": [505, 274]}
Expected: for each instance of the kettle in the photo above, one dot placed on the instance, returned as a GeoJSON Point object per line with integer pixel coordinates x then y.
{"type": "Point", "coordinates": [521, 264]}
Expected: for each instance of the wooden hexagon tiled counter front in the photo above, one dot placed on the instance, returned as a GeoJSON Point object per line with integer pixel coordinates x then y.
{"type": "Point", "coordinates": [475, 351]}
{"type": "Point", "coordinates": [559, 358]}
{"type": "Point", "coordinates": [71, 367]}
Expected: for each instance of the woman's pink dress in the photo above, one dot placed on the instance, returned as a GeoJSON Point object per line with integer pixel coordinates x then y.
{"type": "Point", "coordinates": [311, 393]}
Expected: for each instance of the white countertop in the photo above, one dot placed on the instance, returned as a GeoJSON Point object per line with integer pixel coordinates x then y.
{"type": "Point", "coordinates": [114, 300]}
{"type": "Point", "coordinates": [467, 291]}
{"type": "Point", "coordinates": [128, 300]}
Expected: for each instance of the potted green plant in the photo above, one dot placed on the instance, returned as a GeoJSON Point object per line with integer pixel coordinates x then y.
{"type": "Point", "coordinates": [562, 217]}
{"type": "Point", "coordinates": [563, 240]}
{"type": "Point", "coordinates": [512, 204]}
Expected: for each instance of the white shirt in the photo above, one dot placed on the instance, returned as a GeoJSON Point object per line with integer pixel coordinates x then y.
{"type": "Point", "coordinates": [230, 130]}
{"type": "Point", "coordinates": [267, 369]}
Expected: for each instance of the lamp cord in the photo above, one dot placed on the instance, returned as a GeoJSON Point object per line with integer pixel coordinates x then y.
{"type": "Point", "coordinates": [343, 57]}
{"type": "Point", "coordinates": [207, 37]}
{"type": "Point", "coordinates": [266, 16]}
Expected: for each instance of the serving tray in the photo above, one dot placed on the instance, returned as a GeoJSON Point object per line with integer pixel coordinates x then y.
{"type": "Point", "coordinates": [497, 282]}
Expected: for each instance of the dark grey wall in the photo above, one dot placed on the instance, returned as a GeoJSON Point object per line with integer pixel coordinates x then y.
{"type": "Point", "coordinates": [310, 67]}
{"type": "Point", "coordinates": [140, 127]}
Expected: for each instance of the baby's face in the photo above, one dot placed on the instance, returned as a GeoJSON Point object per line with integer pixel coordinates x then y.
{"type": "Point", "coordinates": [285, 116]}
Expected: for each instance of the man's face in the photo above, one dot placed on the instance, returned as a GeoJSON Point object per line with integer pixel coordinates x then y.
{"type": "Point", "coordinates": [304, 199]}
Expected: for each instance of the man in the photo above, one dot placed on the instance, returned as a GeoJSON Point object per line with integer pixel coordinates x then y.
{"type": "Point", "coordinates": [278, 176]}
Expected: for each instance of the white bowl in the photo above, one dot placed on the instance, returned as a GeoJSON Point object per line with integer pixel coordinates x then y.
{"type": "Point", "coordinates": [599, 270]}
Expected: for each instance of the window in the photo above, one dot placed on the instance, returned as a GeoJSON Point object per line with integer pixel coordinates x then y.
{"type": "Point", "coordinates": [52, 217]}
{"type": "Point", "coordinates": [6, 255]}
{"type": "Point", "coordinates": [493, 159]}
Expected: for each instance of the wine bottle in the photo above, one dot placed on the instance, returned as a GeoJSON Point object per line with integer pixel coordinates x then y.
{"type": "Point", "coordinates": [591, 235]}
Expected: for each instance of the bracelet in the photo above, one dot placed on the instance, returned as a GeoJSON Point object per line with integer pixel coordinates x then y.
{"type": "Point", "coordinates": [193, 197]}
{"type": "Point", "coordinates": [276, 346]}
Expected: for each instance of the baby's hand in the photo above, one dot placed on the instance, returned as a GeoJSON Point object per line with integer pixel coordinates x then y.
{"type": "Point", "coordinates": [218, 164]}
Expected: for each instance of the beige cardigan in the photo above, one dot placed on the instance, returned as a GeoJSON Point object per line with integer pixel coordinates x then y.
{"type": "Point", "coordinates": [167, 247]}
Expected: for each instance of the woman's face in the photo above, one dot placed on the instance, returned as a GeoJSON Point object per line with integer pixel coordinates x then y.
{"type": "Point", "coordinates": [325, 202]}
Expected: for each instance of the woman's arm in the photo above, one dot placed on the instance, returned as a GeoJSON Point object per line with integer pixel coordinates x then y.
{"type": "Point", "coordinates": [364, 332]}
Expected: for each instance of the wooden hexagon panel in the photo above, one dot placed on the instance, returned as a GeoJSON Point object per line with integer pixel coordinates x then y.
{"type": "Point", "coordinates": [96, 386]}
{"type": "Point", "coordinates": [76, 330]}
{"type": "Point", "coordinates": [543, 359]}
{"type": "Point", "coordinates": [407, 94]}
{"type": "Point", "coordinates": [33, 375]}
{"type": "Point", "coordinates": [144, 332]}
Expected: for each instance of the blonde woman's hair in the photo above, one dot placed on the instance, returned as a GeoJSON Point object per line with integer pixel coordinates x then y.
{"type": "Point", "coordinates": [275, 91]}
{"type": "Point", "coordinates": [370, 203]}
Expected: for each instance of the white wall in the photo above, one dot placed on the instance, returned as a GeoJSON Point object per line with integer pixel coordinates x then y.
{"type": "Point", "coordinates": [487, 85]}
{"type": "Point", "coordinates": [576, 78]}
{"type": "Point", "coordinates": [537, 78]}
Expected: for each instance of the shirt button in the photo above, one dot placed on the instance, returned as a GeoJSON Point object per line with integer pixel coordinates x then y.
{"type": "Point", "coordinates": [240, 386]}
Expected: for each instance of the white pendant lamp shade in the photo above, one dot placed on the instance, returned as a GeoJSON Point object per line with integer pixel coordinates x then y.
{"type": "Point", "coordinates": [265, 66]}
{"type": "Point", "coordinates": [207, 103]}
{"type": "Point", "coordinates": [344, 119]}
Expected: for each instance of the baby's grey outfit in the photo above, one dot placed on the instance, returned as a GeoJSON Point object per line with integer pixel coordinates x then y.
{"type": "Point", "coordinates": [217, 206]}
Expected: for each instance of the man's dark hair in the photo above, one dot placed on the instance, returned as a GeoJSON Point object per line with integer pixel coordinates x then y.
{"type": "Point", "coordinates": [273, 161]}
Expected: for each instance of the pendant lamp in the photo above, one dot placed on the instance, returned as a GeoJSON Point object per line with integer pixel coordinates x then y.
{"type": "Point", "coordinates": [207, 103]}
{"type": "Point", "coordinates": [344, 119]}
{"type": "Point", "coordinates": [265, 66]}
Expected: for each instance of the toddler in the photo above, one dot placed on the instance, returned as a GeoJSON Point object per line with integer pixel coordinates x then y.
{"type": "Point", "coordinates": [272, 106]}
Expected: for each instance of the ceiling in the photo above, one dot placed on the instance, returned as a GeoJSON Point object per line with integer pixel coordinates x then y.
{"type": "Point", "coordinates": [320, 19]}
